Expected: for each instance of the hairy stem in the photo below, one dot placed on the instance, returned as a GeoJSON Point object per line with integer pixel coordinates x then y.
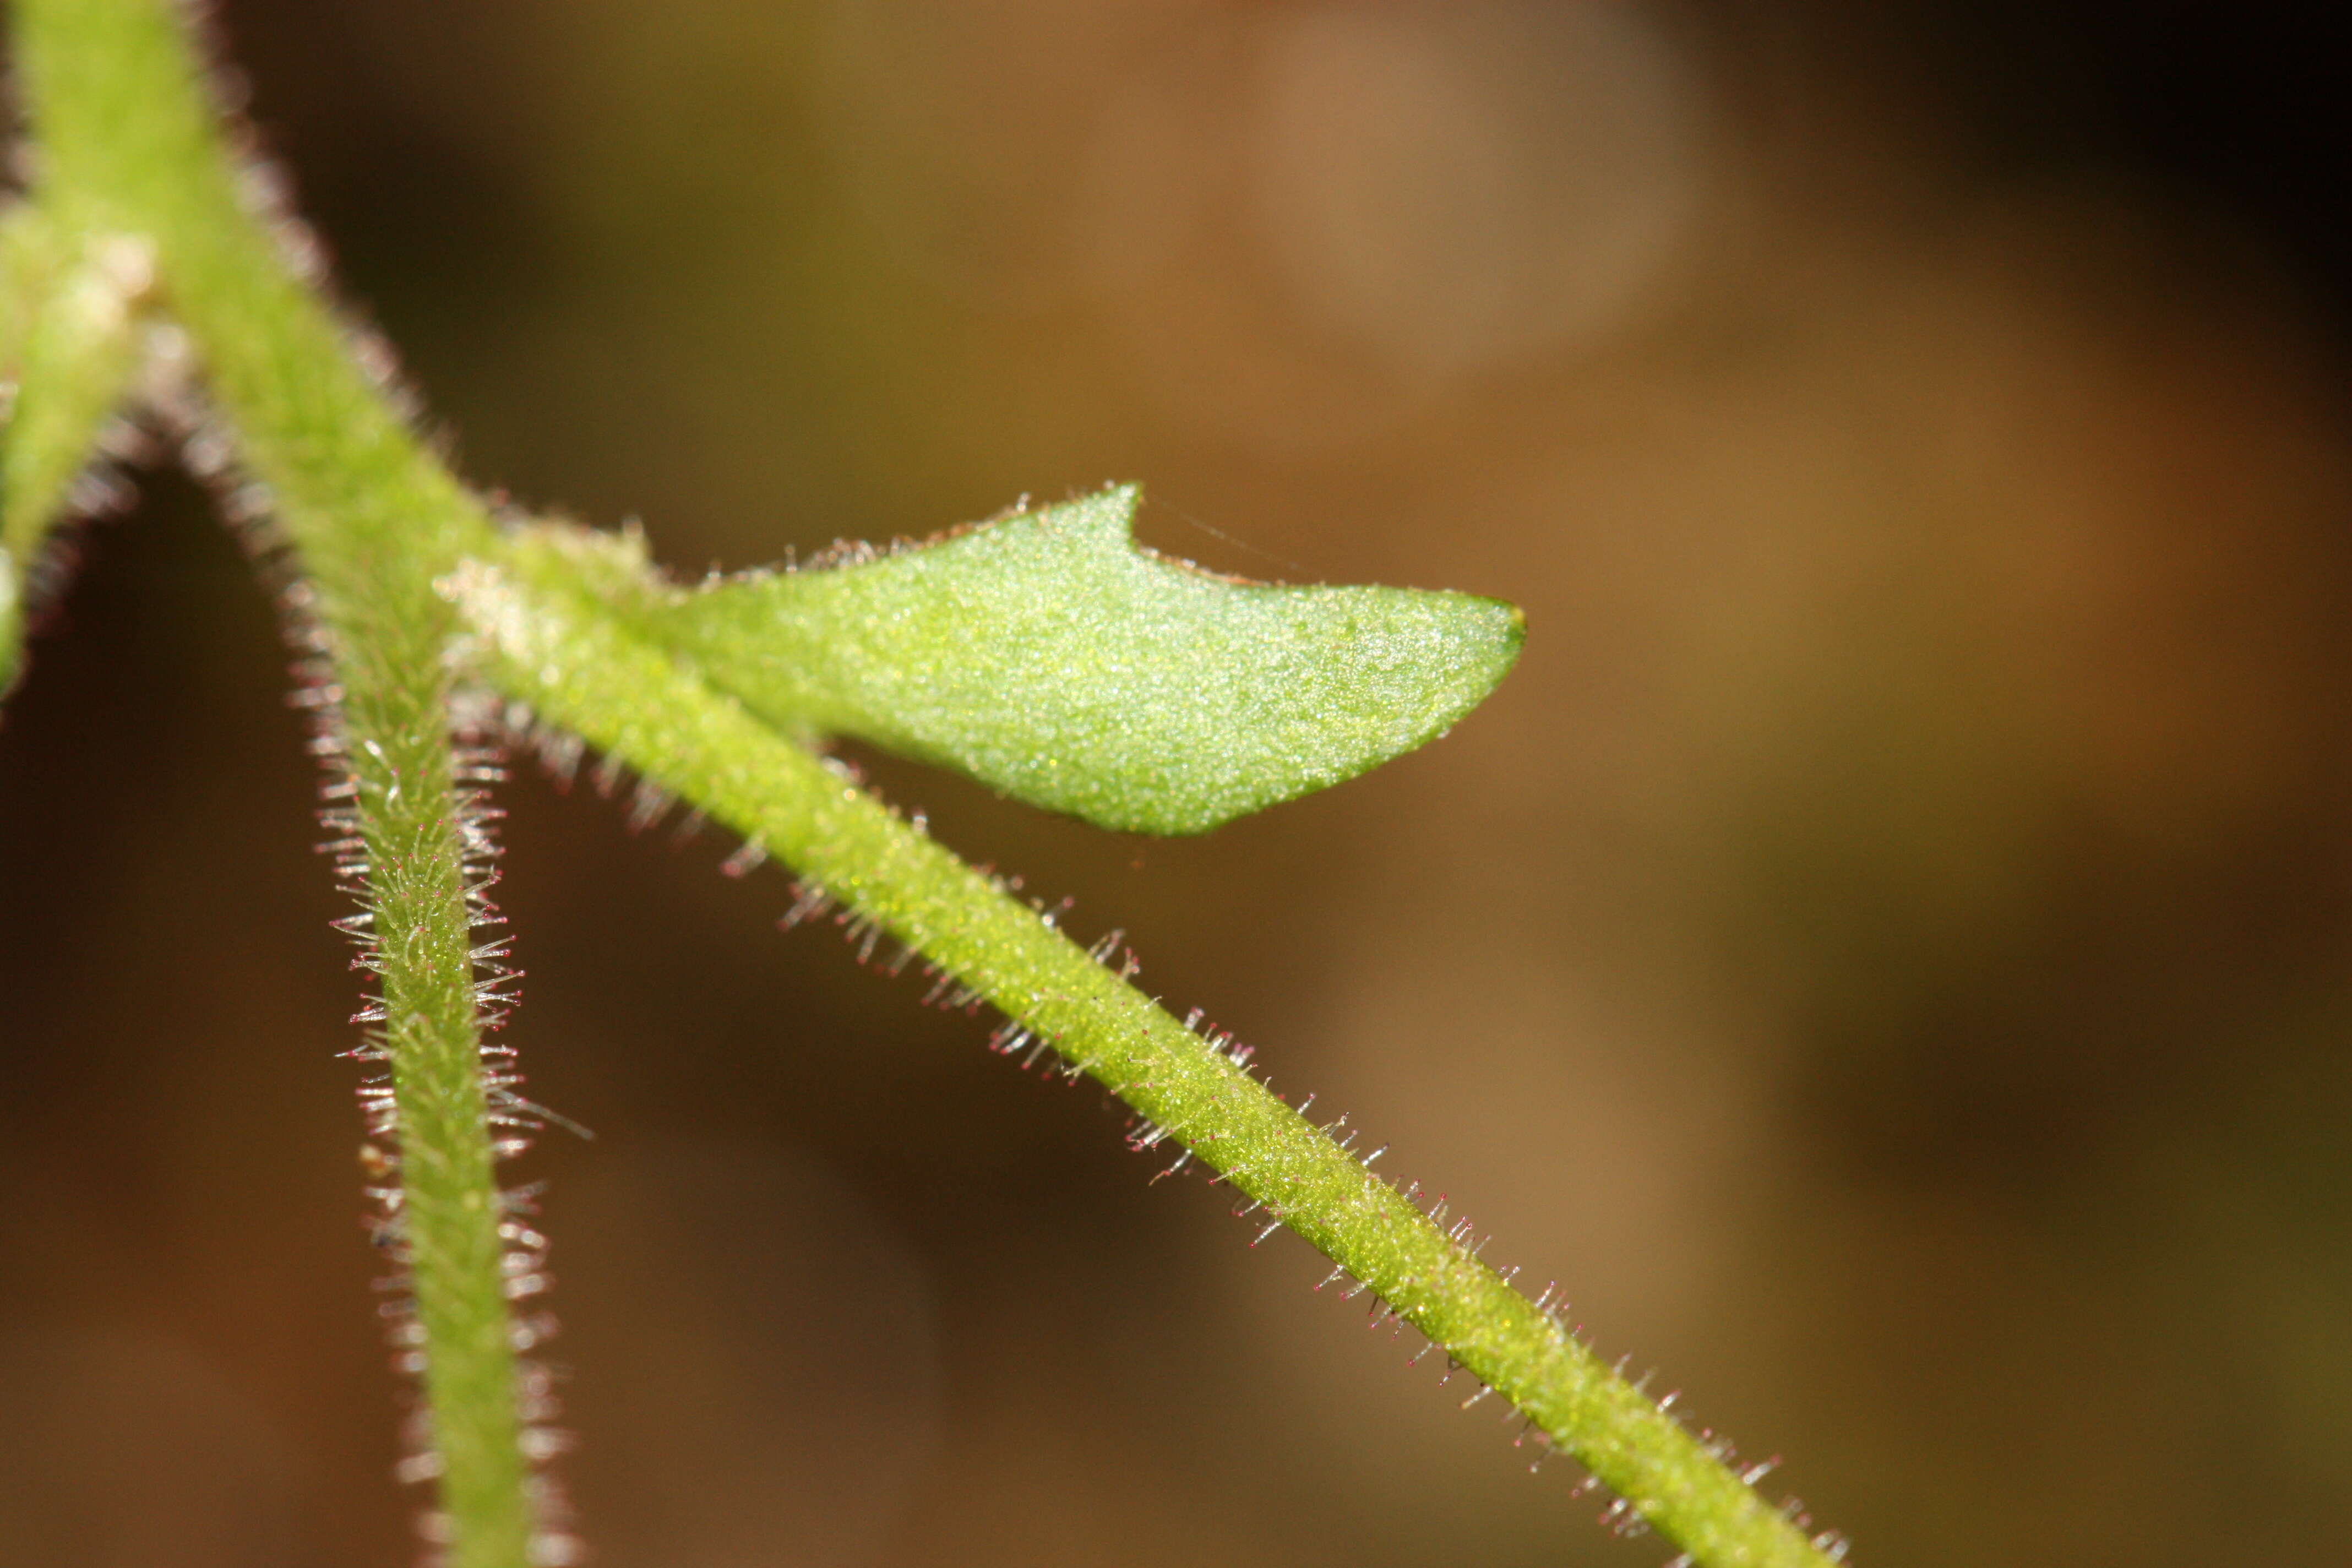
{"type": "Point", "coordinates": [539, 638]}
{"type": "Point", "coordinates": [68, 334]}
{"type": "Point", "coordinates": [128, 142]}
{"type": "Point", "coordinates": [375, 521]}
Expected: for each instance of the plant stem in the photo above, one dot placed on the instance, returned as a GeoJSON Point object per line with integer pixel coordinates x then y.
{"type": "Point", "coordinates": [538, 639]}
{"type": "Point", "coordinates": [128, 142]}
{"type": "Point", "coordinates": [129, 145]}
{"type": "Point", "coordinates": [68, 343]}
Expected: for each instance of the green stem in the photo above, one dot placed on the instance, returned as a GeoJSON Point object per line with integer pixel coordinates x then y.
{"type": "Point", "coordinates": [128, 142]}
{"type": "Point", "coordinates": [68, 343]}
{"type": "Point", "coordinates": [375, 521]}
{"type": "Point", "coordinates": [540, 637]}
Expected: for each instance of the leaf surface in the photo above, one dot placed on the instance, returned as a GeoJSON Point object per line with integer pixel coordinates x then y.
{"type": "Point", "coordinates": [1049, 657]}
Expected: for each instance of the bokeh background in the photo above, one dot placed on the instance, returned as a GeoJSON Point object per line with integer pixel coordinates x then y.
{"type": "Point", "coordinates": [1887, 949]}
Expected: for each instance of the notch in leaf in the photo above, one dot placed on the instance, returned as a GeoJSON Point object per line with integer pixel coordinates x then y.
{"type": "Point", "coordinates": [1050, 657]}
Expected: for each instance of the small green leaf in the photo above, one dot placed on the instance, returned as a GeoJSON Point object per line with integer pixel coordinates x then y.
{"type": "Point", "coordinates": [1049, 657]}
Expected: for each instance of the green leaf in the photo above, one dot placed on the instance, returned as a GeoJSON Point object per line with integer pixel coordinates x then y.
{"type": "Point", "coordinates": [1049, 657]}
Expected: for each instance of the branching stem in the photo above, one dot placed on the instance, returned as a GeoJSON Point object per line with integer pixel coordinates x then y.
{"type": "Point", "coordinates": [404, 570]}
{"type": "Point", "coordinates": [128, 145]}
{"type": "Point", "coordinates": [543, 641]}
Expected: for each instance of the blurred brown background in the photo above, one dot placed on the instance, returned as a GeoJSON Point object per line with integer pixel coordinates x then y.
{"type": "Point", "coordinates": [1888, 948]}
